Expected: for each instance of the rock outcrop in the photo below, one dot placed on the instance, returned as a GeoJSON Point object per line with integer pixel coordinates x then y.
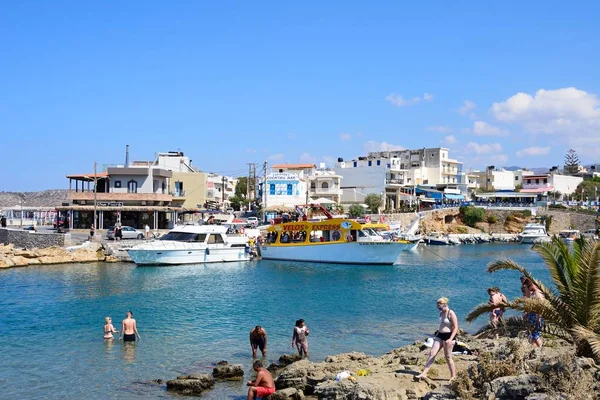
{"type": "Point", "coordinates": [228, 372]}
{"type": "Point", "coordinates": [191, 385]}
{"type": "Point", "coordinates": [15, 257]}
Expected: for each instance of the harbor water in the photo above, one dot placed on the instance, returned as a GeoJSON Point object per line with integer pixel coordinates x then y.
{"type": "Point", "coordinates": [190, 317]}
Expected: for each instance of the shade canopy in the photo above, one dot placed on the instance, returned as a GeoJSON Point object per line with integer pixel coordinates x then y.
{"type": "Point", "coordinates": [323, 200]}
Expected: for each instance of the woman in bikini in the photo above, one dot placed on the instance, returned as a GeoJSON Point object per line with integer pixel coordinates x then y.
{"type": "Point", "coordinates": [444, 338]}
{"type": "Point", "coordinates": [109, 329]}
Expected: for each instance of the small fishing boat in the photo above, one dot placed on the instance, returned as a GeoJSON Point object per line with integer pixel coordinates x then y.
{"type": "Point", "coordinates": [569, 235]}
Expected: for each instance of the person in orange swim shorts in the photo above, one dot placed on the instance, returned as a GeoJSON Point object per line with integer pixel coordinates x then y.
{"type": "Point", "coordinates": [263, 385]}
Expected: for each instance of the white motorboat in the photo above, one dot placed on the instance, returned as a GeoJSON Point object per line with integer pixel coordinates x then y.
{"type": "Point", "coordinates": [437, 239]}
{"type": "Point", "coordinates": [533, 233]}
{"type": "Point", "coordinates": [193, 244]}
{"type": "Point", "coordinates": [569, 235]}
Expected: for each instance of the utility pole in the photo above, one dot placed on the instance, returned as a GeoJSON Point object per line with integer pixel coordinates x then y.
{"type": "Point", "coordinates": [95, 192]}
{"type": "Point", "coordinates": [223, 191]}
{"type": "Point", "coordinates": [265, 189]}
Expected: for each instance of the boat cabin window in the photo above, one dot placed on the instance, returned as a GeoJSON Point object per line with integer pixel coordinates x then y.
{"type": "Point", "coordinates": [272, 237]}
{"type": "Point", "coordinates": [215, 239]}
{"type": "Point", "coordinates": [333, 235]}
{"type": "Point", "coordinates": [184, 237]}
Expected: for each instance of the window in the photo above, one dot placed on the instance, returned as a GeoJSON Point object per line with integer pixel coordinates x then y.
{"type": "Point", "coordinates": [537, 181]}
{"type": "Point", "coordinates": [516, 178]}
{"type": "Point", "coordinates": [117, 184]}
{"type": "Point", "coordinates": [215, 239]}
{"type": "Point", "coordinates": [289, 189]}
{"type": "Point", "coordinates": [378, 162]}
{"type": "Point", "coordinates": [313, 185]}
{"type": "Point", "coordinates": [324, 185]}
{"type": "Point", "coordinates": [370, 163]}
{"type": "Point", "coordinates": [272, 189]}
{"type": "Point", "coordinates": [545, 180]}
{"type": "Point", "coordinates": [355, 164]}
{"type": "Point", "coordinates": [432, 155]}
{"type": "Point", "coordinates": [132, 186]}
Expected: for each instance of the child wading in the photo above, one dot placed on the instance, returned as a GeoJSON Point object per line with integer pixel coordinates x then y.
{"type": "Point", "coordinates": [299, 338]}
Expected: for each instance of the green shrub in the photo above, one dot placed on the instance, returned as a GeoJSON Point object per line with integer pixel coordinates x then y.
{"type": "Point", "coordinates": [526, 213]}
{"type": "Point", "coordinates": [462, 229]}
{"type": "Point", "coordinates": [557, 206]}
{"type": "Point", "coordinates": [491, 219]}
{"type": "Point", "coordinates": [472, 215]}
{"type": "Point", "coordinates": [356, 211]}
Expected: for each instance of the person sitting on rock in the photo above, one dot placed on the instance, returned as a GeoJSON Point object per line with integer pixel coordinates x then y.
{"type": "Point", "coordinates": [263, 385]}
{"type": "Point", "coordinates": [258, 340]}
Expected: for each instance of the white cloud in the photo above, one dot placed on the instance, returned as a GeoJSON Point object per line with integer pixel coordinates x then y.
{"type": "Point", "coordinates": [400, 101]}
{"type": "Point", "coordinates": [307, 158]}
{"type": "Point", "coordinates": [570, 115]}
{"type": "Point", "coordinates": [466, 107]}
{"type": "Point", "coordinates": [372, 145]}
{"type": "Point", "coordinates": [482, 149]}
{"type": "Point", "coordinates": [345, 136]}
{"type": "Point", "coordinates": [276, 157]}
{"type": "Point", "coordinates": [481, 128]}
{"type": "Point", "coordinates": [440, 129]}
{"type": "Point", "coordinates": [329, 160]}
{"type": "Point", "coordinates": [533, 151]}
{"type": "Point", "coordinates": [450, 139]}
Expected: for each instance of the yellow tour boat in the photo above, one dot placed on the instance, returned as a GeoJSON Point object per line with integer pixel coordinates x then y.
{"type": "Point", "coordinates": [336, 240]}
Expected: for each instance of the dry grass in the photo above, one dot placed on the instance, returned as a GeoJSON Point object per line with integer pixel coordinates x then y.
{"type": "Point", "coordinates": [568, 381]}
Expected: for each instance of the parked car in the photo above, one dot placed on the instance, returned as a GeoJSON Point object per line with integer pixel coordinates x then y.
{"type": "Point", "coordinates": [128, 233]}
{"type": "Point", "coordinates": [252, 221]}
{"type": "Point", "coordinates": [591, 234]}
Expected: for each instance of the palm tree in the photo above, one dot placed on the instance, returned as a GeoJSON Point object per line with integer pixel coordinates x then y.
{"type": "Point", "coordinates": [571, 311]}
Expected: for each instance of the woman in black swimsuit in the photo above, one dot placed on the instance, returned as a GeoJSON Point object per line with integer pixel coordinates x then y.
{"type": "Point", "coordinates": [444, 338]}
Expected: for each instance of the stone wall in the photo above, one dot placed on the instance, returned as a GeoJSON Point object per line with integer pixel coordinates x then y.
{"type": "Point", "coordinates": [566, 220]}
{"type": "Point", "coordinates": [30, 240]}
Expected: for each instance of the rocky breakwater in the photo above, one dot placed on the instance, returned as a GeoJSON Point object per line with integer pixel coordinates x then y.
{"type": "Point", "coordinates": [11, 256]}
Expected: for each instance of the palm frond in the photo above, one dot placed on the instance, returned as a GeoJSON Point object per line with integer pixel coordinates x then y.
{"type": "Point", "coordinates": [592, 338]}
{"type": "Point", "coordinates": [559, 261]}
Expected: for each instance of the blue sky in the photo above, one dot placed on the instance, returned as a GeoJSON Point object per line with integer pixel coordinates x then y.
{"type": "Point", "coordinates": [234, 82]}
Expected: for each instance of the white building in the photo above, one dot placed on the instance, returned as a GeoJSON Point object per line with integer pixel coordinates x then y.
{"type": "Point", "coordinates": [493, 179]}
{"type": "Point", "coordinates": [393, 173]}
{"type": "Point", "coordinates": [219, 188]}
{"type": "Point", "coordinates": [545, 183]}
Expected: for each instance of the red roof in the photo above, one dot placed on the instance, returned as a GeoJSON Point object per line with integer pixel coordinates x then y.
{"type": "Point", "coordinates": [293, 166]}
{"type": "Point", "coordinates": [538, 190]}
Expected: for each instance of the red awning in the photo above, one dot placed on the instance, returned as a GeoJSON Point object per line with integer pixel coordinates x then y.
{"type": "Point", "coordinates": [537, 190]}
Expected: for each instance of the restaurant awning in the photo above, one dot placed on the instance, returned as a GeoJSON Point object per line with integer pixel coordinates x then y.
{"type": "Point", "coordinates": [452, 196]}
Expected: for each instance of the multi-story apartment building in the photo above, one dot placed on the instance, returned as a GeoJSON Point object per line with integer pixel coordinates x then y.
{"type": "Point", "coordinates": [392, 174]}
{"type": "Point", "coordinates": [219, 188]}
{"type": "Point", "coordinates": [550, 182]}
{"type": "Point", "coordinates": [134, 195]}
{"type": "Point", "coordinates": [188, 183]}
{"type": "Point", "coordinates": [494, 179]}
{"type": "Point", "coordinates": [289, 185]}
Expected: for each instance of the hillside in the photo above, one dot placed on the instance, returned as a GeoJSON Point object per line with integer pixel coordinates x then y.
{"type": "Point", "coordinates": [44, 198]}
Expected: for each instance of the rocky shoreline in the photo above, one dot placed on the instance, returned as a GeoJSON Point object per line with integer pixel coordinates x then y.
{"type": "Point", "coordinates": [11, 256]}
{"type": "Point", "coordinates": [505, 368]}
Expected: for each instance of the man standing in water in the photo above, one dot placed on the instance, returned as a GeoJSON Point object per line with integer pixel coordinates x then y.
{"type": "Point", "coordinates": [258, 340]}
{"type": "Point", "coordinates": [129, 328]}
{"type": "Point", "coordinates": [263, 385]}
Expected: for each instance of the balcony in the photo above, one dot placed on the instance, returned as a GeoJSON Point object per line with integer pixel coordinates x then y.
{"type": "Point", "coordinates": [324, 191]}
{"type": "Point", "coordinates": [178, 194]}
{"type": "Point", "coordinates": [89, 196]}
{"type": "Point", "coordinates": [394, 181]}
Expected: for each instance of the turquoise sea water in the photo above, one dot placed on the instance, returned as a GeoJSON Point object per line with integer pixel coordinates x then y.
{"type": "Point", "coordinates": [52, 317]}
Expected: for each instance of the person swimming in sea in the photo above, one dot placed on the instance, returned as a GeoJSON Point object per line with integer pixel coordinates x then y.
{"type": "Point", "coordinates": [129, 328]}
{"type": "Point", "coordinates": [300, 339]}
{"type": "Point", "coordinates": [109, 329]}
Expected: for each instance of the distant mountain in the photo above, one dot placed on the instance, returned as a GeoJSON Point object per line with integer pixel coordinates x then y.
{"type": "Point", "coordinates": [536, 170]}
{"type": "Point", "coordinates": [45, 198]}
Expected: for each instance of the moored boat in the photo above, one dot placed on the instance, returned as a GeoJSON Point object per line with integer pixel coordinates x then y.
{"type": "Point", "coordinates": [533, 233]}
{"type": "Point", "coordinates": [336, 240]}
{"type": "Point", "coordinates": [193, 244]}
{"type": "Point", "coordinates": [569, 235]}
